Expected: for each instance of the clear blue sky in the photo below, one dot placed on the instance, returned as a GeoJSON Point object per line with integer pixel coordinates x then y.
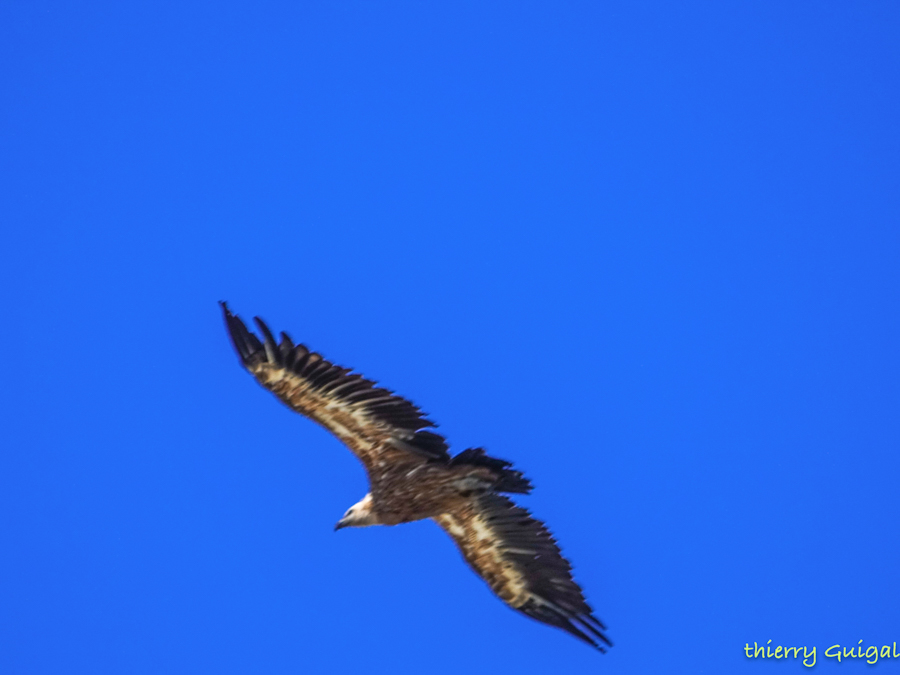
{"type": "Point", "coordinates": [648, 252]}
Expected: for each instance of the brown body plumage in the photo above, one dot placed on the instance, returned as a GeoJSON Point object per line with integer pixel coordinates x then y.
{"type": "Point", "coordinates": [412, 477]}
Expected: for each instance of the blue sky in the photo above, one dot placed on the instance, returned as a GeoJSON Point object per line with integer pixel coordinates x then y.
{"type": "Point", "coordinates": [650, 253]}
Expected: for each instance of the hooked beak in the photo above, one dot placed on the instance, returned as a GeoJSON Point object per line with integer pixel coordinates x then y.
{"type": "Point", "coordinates": [340, 524]}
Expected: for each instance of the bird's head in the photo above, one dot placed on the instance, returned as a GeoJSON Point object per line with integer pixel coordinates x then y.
{"type": "Point", "coordinates": [359, 515]}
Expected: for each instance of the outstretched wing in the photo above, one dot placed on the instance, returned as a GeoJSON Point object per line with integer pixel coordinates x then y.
{"type": "Point", "coordinates": [374, 423]}
{"type": "Point", "coordinates": [519, 559]}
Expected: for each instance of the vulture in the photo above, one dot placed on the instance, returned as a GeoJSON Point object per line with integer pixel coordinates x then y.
{"type": "Point", "coordinates": [412, 477]}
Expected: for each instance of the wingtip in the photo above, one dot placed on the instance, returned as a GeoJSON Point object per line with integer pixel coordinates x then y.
{"type": "Point", "coordinates": [245, 343]}
{"type": "Point", "coordinates": [596, 627]}
{"type": "Point", "coordinates": [227, 314]}
{"type": "Point", "coordinates": [264, 329]}
{"type": "Point", "coordinates": [271, 347]}
{"type": "Point", "coordinates": [596, 640]}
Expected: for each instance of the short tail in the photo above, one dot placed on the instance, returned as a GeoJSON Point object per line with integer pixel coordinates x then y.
{"type": "Point", "coordinates": [508, 480]}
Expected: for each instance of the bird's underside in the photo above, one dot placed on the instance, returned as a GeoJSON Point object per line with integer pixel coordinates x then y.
{"type": "Point", "coordinates": [413, 477]}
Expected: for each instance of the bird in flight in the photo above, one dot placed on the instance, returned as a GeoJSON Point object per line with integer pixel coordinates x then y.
{"type": "Point", "coordinates": [412, 477]}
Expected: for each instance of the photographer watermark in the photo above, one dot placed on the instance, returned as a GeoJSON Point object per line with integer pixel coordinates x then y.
{"type": "Point", "coordinates": [807, 655]}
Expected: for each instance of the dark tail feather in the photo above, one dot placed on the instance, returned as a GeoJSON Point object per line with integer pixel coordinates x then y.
{"type": "Point", "coordinates": [508, 480]}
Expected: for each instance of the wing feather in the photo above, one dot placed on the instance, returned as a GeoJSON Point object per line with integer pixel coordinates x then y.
{"type": "Point", "coordinates": [519, 559]}
{"type": "Point", "coordinates": [373, 422]}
